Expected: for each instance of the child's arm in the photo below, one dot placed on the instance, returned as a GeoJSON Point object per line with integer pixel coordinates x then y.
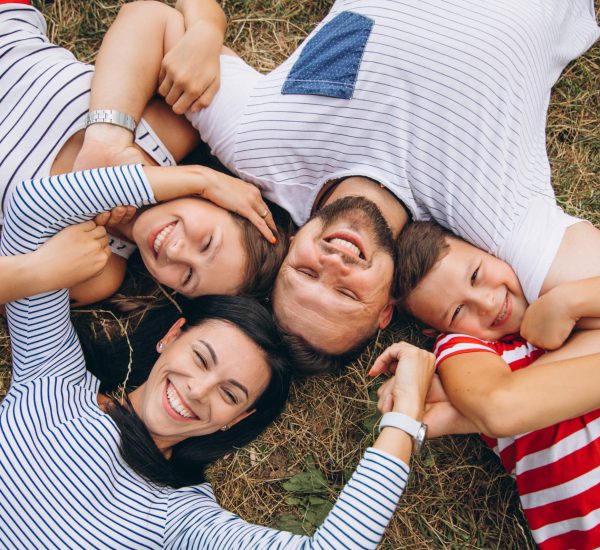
{"type": "Point", "coordinates": [551, 318]}
{"type": "Point", "coordinates": [73, 255]}
{"type": "Point", "coordinates": [501, 402]}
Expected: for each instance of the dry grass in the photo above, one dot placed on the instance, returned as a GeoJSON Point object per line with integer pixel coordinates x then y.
{"type": "Point", "coordinates": [458, 496]}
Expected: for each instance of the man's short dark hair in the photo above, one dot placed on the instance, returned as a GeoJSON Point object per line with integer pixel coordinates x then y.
{"type": "Point", "coordinates": [306, 360]}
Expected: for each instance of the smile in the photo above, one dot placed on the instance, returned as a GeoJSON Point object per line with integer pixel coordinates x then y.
{"type": "Point", "coordinates": [347, 243]}
{"type": "Point", "coordinates": [176, 408]}
{"type": "Point", "coordinates": [161, 236]}
{"type": "Point", "coordinates": [504, 313]}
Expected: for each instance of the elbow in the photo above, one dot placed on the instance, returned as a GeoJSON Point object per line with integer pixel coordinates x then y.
{"type": "Point", "coordinates": [500, 415]}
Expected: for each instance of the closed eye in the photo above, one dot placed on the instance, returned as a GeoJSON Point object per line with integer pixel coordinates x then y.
{"type": "Point", "coordinates": [456, 312]}
{"type": "Point", "coordinates": [200, 360]}
{"type": "Point", "coordinates": [207, 245]}
{"type": "Point", "coordinates": [307, 272]}
{"type": "Point", "coordinates": [230, 397]}
{"type": "Point", "coordinates": [188, 278]}
{"type": "Point", "coordinates": [348, 293]}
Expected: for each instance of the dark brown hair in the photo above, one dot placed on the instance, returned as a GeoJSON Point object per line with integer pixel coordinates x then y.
{"type": "Point", "coordinates": [263, 259]}
{"type": "Point", "coordinates": [306, 360]}
{"type": "Point", "coordinates": [420, 246]}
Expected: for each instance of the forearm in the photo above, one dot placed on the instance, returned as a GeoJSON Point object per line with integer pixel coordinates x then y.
{"type": "Point", "coordinates": [128, 63]}
{"type": "Point", "coordinates": [19, 277]}
{"type": "Point", "coordinates": [584, 297]}
{"type": "Point", "coordinates": [206, 11]}
{"type": "Point", "coordinates": [505, 403]}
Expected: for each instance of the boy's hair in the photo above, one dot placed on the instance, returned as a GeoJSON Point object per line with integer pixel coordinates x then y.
{"type": "Point", "coordinates": [420, 246]}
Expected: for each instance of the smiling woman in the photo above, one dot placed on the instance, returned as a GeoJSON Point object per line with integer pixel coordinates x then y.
{"type": "Point", "coordinates": [188, 412]}
{"type": "Point", "coordinates": [128, 472]}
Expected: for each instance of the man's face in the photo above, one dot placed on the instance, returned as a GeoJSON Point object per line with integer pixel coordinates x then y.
{"type": "Point", "coordinates": [471, 292]}
{"type": "Point", "coordinates": [333, 288]}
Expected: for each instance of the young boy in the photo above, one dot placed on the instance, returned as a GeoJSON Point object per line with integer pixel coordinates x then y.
{"type": "Point", "coordinates": [476, 302]}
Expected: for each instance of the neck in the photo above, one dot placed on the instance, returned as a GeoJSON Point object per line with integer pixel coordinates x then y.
{"type": "Point", "coordinates": [392, 209]}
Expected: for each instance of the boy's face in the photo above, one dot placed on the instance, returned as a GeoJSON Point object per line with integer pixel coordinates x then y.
{"type": "Point", "coordinates": [470, 292]}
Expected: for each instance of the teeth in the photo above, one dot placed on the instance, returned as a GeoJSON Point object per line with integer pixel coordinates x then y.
{"type": "Point", "coordinates": [347, 245]}
{"type": "Point", "coordinates": [162, 236]}
{"type": "Point", "coordinates": [176, 404]}
{"type": "Point", "coordinates": [502, 313]}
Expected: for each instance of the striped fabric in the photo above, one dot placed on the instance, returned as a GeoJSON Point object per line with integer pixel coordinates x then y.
{"type": "Point", "coordinates": [44, 97]}
{"type": "Point", "coordinates": [63, 483]}
{"type": "Point", "coordinates": [448, 112]}
{"type": "Point", "coordinates": [557, 469]}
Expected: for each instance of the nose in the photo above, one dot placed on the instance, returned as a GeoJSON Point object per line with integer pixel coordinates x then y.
{"type": "Point", "coordinates": [484, 301]}
{"type": "Point", "coordinates": [199, 389]}
{"type": "Point", "coordinates": [333, 264]}
{"type": "Point", "coordinates": [177, 252]}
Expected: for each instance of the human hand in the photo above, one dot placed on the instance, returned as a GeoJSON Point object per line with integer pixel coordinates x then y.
{"type": "Point", "coordinates": [407, 390]}
{"type": "Point", "coordinates": [442, 418]}
{"type": "Point", "coordinates": [117, 216]}
{"type": "Point", "coordinates": [189, 82]}
{"type": "Point", "coordinates": [240, 197]}
{"type": "Point", "coordinates": [73, 255]}
{"type": "Point", "coordinates": [549, 321]}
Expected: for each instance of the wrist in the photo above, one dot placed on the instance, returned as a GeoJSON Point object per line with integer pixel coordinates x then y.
{"type": "Point", "coordinates": [412, 409]}
{"type": "Point", "coordinates": [109, 134]}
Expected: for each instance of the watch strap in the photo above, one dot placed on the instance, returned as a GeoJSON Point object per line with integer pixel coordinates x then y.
{"type": "Point", "coordinates": [417, 430]}
{"type": "Point", "coordinates": [110, 116]}
{"type": "Point", "coordinates": [401, 421]}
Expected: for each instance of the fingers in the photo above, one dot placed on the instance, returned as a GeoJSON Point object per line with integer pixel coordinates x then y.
{"type": "Point", "coordinates": [191, 96]}
{"type": "Point", "coordinates": [207, 96]}
{"type": "Point", "coordinates": [387, 361]}
{"type": "Point", "coordinates": [117, 216]}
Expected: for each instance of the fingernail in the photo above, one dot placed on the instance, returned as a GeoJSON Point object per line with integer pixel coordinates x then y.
{"type": "Point", "coordinates": [274, 240]}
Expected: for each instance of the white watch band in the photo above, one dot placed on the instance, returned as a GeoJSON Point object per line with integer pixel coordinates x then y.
{"type": "Point", "coordinates": [401, 421]}
{"type": "Point", "coordinates": [110, 116]}
{"type": "Point", "coordinates": [417, 430]}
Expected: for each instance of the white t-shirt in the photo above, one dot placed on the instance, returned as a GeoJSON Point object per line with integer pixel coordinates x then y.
{"type": "Point", "coordinates": [447, 110]}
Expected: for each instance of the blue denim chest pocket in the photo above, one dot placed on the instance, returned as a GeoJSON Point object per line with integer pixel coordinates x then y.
{"type": "Point", "coordinates": [329, 63]}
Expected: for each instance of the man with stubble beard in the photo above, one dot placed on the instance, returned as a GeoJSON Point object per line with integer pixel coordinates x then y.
{"type": "Point", "coordinates": [428, 110]}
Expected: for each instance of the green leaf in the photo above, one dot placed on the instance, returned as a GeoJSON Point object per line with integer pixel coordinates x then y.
{"type": "Point", "coordinates": [289, 523]}
{"type": "Point", "coordinates": [312, 481]}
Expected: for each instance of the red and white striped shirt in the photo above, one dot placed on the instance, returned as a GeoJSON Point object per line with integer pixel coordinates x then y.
{"type": "Point", "coordinates": [557, 469]}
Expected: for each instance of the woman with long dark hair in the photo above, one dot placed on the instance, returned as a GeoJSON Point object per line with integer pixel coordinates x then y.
{"type": "Point", "coordinates": [81, 469]}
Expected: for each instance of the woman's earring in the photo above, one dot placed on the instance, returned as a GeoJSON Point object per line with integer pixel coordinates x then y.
{"type": "Point", "coordinates": [160, 346]}
{"type": "Point", "coordinates": [225, 428]}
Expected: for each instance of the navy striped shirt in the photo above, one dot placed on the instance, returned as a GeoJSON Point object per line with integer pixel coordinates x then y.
{"type": "Point", "coordinates": [63, 483]}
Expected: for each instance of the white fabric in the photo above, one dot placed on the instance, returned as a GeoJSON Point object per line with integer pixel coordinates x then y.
{"type": "Point", "coordinates": [449, 112]}
{"type": "Point", "coordinates": [531, 248]}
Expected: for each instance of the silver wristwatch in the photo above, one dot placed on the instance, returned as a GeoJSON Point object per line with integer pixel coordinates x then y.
{"type": "Point", "coordinates": [110, 116]}
{"type": "Point", "coordinates": [417, 430]}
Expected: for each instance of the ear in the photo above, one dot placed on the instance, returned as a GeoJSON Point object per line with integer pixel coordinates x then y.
{"type": "Point", "coordinates": [385, 316]}
{"type": "Point", "coordinates": [173, 332]}
{"type": "Point", "coordinates": [429, 332]}
{"type": "Point", "coordinates": [241, 417]}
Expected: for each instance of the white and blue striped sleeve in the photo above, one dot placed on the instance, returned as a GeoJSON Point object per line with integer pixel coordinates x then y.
{"type": "Point", "coordinates": [42, 337]}
{"type": "Point", "coordinates": [357, 520]}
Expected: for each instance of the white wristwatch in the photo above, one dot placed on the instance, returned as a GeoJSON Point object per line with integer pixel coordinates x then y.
{"type": "Point", "coordinates": [110, 116]}
{"type": "Point", "coordinates": [417, 430]}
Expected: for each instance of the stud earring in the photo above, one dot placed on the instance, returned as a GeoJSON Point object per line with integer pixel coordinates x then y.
{"type": "Point", "coordinates": [160, 346]}
{"type": "Point", "coordinates": [225, 428]}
